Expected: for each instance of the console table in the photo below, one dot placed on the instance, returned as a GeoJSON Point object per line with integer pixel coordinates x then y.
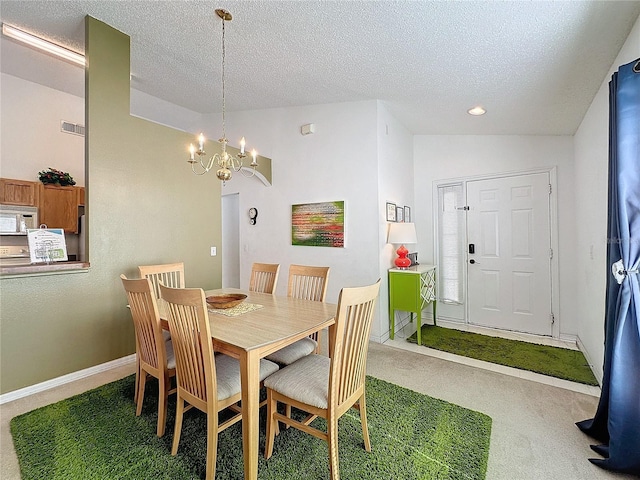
{"type": "Point", "coordinates": [411, 290]}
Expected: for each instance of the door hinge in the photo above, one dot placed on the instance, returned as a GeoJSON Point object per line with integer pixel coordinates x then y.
{"type": "Point", "coordinates": [551, 253]}
{"type": "Point", "coordinates": [552, 317]}
{"type": "Point", "coordinates": [550, 189]}
{"type": "Point", "coordinates": [466, 207]}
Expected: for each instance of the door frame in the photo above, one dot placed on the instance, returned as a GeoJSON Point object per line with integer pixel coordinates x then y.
{"type": "Point", "coordinates": [553, 224]}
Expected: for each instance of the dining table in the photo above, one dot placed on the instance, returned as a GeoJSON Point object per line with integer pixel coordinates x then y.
{"type": "Point", "coordinates": [261, 325]}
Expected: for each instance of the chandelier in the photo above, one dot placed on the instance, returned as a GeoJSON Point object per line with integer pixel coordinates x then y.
{"type": "Point", "coordinates": [224, 161]}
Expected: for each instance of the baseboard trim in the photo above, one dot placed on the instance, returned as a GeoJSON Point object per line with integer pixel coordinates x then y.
{"type": "Point", "coordinates": [596, 372]}
{"type": "Point", "coordinates": [379, 338]}
{"type": "Point", "coordinates": [565, 337]}
{"type": "Point", "coordinates": [64, 379]}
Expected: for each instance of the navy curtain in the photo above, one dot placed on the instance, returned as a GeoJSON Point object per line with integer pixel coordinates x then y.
{"type": "Point", "coordinates": [617, 420]}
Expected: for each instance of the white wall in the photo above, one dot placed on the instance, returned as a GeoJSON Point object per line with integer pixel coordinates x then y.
{"type": "Point", "coordinates": [338, 162]}
{"type": "Point", "coordinates": [591, 145]}
{"type": "Point", "coordinates": [30, 130]}
{"type": "Point", "coordinates": [355, 155]}
{"type": "Point", "coordinates": [395, 185]}
{"type": "Point", "coordinates": [160, 111]}
{"type": "Point", "coordinates": [439, 157]}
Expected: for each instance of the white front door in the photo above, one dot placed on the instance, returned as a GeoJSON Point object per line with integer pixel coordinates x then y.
{"type": "Point", "coordinates": [509, 273]}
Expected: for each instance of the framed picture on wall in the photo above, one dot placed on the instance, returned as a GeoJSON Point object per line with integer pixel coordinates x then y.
{"type": "Point", "coordinates": [399, 214]}
{"type": "Point", "coordinates": [318, 224]}
{"type": "Point", "coordinates": [391, 212]}
{"type": "Point", "coordinates": [407, 214]}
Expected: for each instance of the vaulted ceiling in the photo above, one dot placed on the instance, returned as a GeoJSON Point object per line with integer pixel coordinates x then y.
{"type": "Point", "coordinates": [535, 66]}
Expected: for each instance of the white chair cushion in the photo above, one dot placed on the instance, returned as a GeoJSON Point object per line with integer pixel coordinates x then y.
{"type": "Point", "coordinates": [171, 358]}
{"type": "Point", "coordinates": [228, 374]}
{"type": "Point", "coordinates": [293, 352]}
{"type": "Point", "coordinates": [306, 380]}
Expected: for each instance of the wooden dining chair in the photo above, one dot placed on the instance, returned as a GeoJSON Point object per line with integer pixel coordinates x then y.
{"type": "Point", "coordinates": [154, 354]}
{"type": "Point", "coordinates": [208, 382]}
{"type": "Point", "coordinates": [328, 387]}
{"type": "Point", "coordinates": [309, 283]}
{"type": "Point", "coordinates": [264, 277]}
{"type": "Point", "coordinates": [169, 274]}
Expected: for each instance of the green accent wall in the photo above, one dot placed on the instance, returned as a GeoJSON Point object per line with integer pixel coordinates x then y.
{"type": "Point", "coordinates": [144, 206]}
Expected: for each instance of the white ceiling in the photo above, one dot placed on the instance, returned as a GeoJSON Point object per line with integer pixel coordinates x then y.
{"type": "Point", "coordinates": [534, 65]}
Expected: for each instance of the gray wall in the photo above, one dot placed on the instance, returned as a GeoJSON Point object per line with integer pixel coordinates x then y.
{"type": "Point", "coordinates": [144, 206]}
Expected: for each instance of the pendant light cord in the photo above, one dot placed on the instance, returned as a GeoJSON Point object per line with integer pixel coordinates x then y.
{"type": "Point", "coordinates": [224, 133]}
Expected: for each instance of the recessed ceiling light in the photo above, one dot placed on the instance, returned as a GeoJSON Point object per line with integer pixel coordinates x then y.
{"type": "Point", "coordinates": [476, 111]}
{"type": "Point", "coordinates": [42, 44]}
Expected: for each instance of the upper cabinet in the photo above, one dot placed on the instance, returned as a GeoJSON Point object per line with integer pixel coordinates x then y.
{"type": "Point", "coordinates": [59, 207]}
{"type": "Point", "coordinates": [19, 192]}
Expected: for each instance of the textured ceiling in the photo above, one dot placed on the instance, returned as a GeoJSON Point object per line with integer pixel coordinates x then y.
{"type": "Point", "coordinates": [535, 66]}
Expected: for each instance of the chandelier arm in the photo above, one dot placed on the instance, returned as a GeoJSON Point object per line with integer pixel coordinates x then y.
{"type": "Point", "coordinates": [193, 169]}
{"type": "Point", "coordinates": [218, 160]}
{"type": "Point", "coordinates": [234, 163]}
{"type": "Point", "coordinates": [210, 163]}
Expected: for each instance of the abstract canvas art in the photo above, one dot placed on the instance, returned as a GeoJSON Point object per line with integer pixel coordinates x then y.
{"type": "Point", "coordinates": [318, 224]}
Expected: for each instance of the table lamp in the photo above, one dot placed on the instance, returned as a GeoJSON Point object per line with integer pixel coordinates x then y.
{"type": "Point", "coordinates": [402, 233]}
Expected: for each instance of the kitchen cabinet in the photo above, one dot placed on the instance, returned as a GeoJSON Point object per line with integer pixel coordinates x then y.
{"type": "Point", "coordinates": [59, 207]}
{"type": "Point", "coordinates": [19, 192]}
{"type": "Point", "coordinates": [411, 290]}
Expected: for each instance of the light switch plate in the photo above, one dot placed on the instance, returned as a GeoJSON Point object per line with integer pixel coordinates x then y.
{"type": "Point", "coordinates": [213, 251]}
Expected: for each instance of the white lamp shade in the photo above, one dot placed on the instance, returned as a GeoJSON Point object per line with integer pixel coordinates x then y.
{"type": "Point", "coordinates": [402, 233]}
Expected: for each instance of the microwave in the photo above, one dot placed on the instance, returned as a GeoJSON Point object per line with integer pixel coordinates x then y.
{"type": "Point", "coordinates": [17, 219]}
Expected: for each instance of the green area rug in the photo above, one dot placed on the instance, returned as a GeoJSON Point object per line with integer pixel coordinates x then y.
{"type": "Point", "coordinates": [96, 435]}
{"type": "Point", "coordinates": [553, 361]}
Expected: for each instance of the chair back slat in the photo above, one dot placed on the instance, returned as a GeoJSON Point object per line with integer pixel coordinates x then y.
{"type": "Point", "coordinates": [191, 337]}
{"type": "Point", "coordinates": [264, 277]}
{"type": "Point", "coordinates": [169, 274]}
{"type": "Point", "coordinates": [356, 307]}
{"type": "Point", "coordinates": [146, 321]}
{"type": "Point", "coordinates": [309, 283]}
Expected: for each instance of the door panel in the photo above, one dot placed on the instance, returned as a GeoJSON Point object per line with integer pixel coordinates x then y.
{"type": "Point", "coordinates": [490, 289]}
{"type": "Point", "coordinates": [509, 283]}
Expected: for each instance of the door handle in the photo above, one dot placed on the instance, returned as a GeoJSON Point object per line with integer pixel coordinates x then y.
{"type": "Point", "coordinates": [472, 261]}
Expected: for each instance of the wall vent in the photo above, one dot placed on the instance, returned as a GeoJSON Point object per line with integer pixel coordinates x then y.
{"type": "Point", "coordinates": [73, 128]}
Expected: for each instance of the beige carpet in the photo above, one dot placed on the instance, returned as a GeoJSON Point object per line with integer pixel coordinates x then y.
{"type": "Point", "coordinates": [533, 431]}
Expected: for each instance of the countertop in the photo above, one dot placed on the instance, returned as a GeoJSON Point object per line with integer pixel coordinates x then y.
{"type": "Point", "coordinates": [54, 267]}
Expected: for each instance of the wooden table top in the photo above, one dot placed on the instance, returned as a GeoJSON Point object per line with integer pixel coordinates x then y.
{"type": "Point", "coordinates": [279, 320]}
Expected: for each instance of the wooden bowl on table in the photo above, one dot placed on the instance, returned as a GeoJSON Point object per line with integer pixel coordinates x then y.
{"type": "Point", "coordinates": [226, 300]}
